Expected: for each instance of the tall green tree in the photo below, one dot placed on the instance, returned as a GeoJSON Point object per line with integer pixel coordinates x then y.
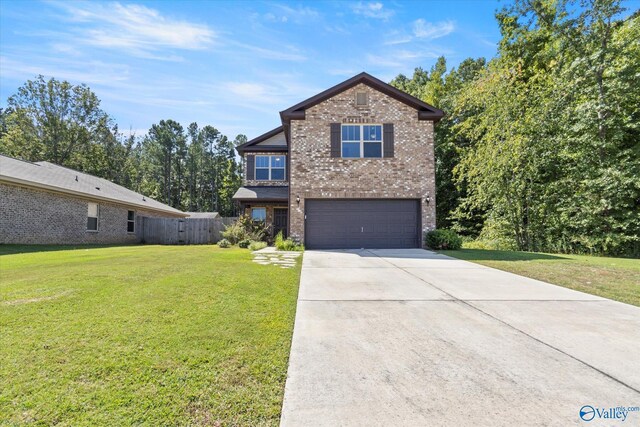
{"type": "Point", "coordinates": [56, 121]}
{"type": "Point", "coordinates": [195, 170]}
{"type": "Point", "coordinates": [165, 144]}
{"type": "Point", "coordinates": [554, 160]}
{"type": "Point", "coordinates": [539, 149]}
{"type": "Point", "coordinates": [440, 88]}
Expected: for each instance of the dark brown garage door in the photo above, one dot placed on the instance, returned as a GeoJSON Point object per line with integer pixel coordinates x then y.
{"type": "Point", "coordinates": [349, 224]}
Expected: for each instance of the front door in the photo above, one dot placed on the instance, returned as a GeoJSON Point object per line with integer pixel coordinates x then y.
{"type": "Point", "coordinates": [280, 221]}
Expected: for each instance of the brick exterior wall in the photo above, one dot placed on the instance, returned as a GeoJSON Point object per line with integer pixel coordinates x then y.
{"type": "Point", "coordinates": [33, 216]}
{"type": "Point", "coordinates": [410, 174]}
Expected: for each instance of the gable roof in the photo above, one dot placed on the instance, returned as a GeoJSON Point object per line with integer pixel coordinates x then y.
{"type": "Point", "coordinates": [297, 112]}
{"type": "Point", "coordinates": [49, 176]}
{"type": "Point", "coordinates": [425, 111]}
{"type": "Point", "coordinates": [252, 145]}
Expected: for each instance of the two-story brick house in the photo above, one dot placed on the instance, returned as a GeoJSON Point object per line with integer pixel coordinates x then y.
{"type": "Point", "coordinates": [351, 167]}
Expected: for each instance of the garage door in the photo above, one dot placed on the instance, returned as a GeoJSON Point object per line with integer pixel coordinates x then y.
{"type": "Point", "coordinates": [349, 224]}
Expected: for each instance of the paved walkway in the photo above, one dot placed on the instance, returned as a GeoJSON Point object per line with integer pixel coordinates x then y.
{"type": "Point", "coordinates": [269, 255]}
{"type": "Point", "coordinates": [413, 338]}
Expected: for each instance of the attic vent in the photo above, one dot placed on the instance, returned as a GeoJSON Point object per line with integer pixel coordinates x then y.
{"type": "Point", "coordinates": [361, 99]}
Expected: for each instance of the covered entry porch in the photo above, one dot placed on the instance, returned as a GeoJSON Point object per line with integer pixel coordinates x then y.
{"type": "Point", "coordinates": [268, 204]}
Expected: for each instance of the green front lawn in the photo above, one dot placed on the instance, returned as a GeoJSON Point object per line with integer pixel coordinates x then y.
{"type": "Point", "coordinates": [153, 335]}
{"type": "Point", "coordinates": [615, 278]}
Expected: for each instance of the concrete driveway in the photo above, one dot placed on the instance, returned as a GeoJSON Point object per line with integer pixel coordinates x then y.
{"type": "Point", "coordinates": [412, 338]}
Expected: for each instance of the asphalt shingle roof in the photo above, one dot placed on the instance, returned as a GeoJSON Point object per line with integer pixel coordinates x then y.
{"type": "Point", "coordinates": [57, 178]}
{"type": "Point", "coordinates": [262, 193]}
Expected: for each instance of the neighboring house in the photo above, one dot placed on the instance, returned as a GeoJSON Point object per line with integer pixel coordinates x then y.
{"type": "Point", "coordinates": [43, 203]}
{"type": "Point", "coordinates": [352, 167]}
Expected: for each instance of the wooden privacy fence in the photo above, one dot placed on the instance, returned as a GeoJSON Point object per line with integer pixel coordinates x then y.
{"type": "Point", "coordinates": [182, 231]}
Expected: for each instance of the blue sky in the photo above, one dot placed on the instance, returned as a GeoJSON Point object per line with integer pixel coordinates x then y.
{"type": "Point", "coordinates": [233, 65]}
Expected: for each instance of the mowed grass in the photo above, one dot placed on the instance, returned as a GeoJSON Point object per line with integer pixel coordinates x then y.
{"type": "Point", "coordinates": [143, 335]}
{"type": "Point", "coordinates": [614, 278]}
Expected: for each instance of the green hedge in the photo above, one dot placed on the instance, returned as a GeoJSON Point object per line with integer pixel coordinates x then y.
{"type": "Point", "coordinates": [443, 240]}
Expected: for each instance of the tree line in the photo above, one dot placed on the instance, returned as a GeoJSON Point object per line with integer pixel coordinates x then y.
{"type": "Point", "coordinates": [540, 147]}
{"type": "Point", "coordinates": [193, 169]}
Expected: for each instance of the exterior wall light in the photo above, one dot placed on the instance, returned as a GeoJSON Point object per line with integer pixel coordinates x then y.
{"type": "Point", "coordinates": [298, 199]}
{"type": "Point", "coordinates": [427, 199]}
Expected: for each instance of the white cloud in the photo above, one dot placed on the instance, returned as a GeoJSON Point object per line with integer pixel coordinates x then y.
{"type": "Point", "coordinates": [282, 13]}
{"type": "Point", "coordinates": [397, 37]}
{"type": "Point", "coordinates": [430, 31]}
{"type": "Point", "coordinates": [350, 72]}
{"type": "Point", "coordinates": [402, 59]}
{"type": "Point", "coordinates": [299, 14]}
{"type": "Point", "coordinates": [374, 10]}
{"type": "Point", "coordinates": [252, 91]}
{"type": "Point", "coordinates": [281, 55]}
{"type": "Point", "coordinates": [276, 93]}
{"type": "Point", "coordinates": [273, 18]}
{"type": "Point", "coordinates": [383, 61]}
{"type": "Point", "coordinates": [89, 72]}
{"type": "Point", "coordinates": [420, 29]}
{"type": "Point", "coordinates": [134, 28]}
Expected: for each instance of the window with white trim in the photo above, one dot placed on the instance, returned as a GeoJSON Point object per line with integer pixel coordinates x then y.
{"type": "Point", "coordinates": [131, 221]}
{"type": "Point", "coordinates": [271, 168]}
{"type": "Point", "coordinates": [360, 141]}
{"type": "Point", "coordinates": [259, 214]}
{"type": "Point", "coordinates": [92, 216]}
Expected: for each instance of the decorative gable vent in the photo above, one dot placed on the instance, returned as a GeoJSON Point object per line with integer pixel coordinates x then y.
{"type": "Point", "coordinates": [361, 99]}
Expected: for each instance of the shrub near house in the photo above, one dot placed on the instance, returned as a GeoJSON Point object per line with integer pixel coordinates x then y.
{"type": "Point", "coordinates": [443, 240]}
{"type": "Point", "coordinates": [245, 229]}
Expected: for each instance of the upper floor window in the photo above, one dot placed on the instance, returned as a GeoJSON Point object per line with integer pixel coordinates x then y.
{"type": "Point", "coordinates": [361, 141]}
{"type": "Point", "coordinates": [92, 216]}
{"type": "Point", "coordinates": [270, 168]}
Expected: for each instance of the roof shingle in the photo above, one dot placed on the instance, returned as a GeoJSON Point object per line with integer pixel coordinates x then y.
{"type": "Point", "coordinates": [274, 194]}
{"type": "Point", "coordinates": [58, 178]}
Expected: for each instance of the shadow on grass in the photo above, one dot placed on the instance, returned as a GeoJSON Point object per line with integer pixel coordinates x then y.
{"type": "Point", "coordinates": [493, 255]}
{"type": "Point", "coordinates": [25, 249]}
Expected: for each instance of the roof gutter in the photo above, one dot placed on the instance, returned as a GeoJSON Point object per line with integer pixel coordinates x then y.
{"type": "Point", "coordinates": [270, 199]}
